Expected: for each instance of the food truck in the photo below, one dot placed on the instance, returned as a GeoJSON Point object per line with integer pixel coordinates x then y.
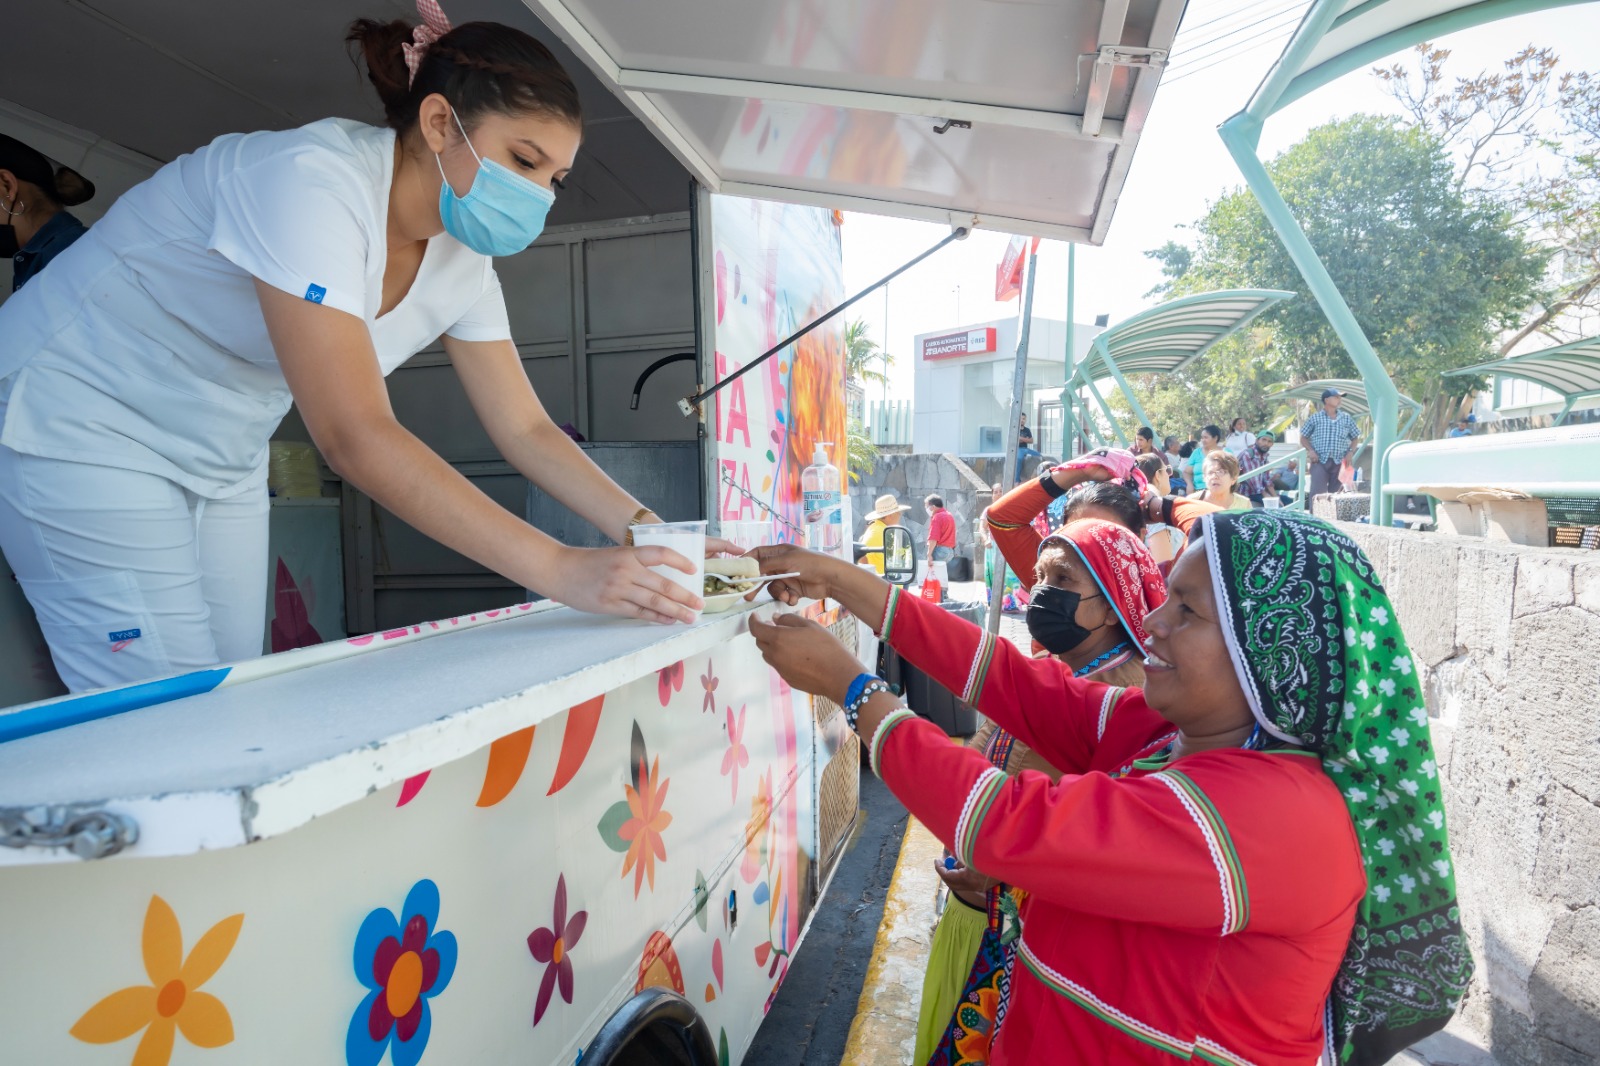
{"type": "Point", "coordinates": [443, 823]}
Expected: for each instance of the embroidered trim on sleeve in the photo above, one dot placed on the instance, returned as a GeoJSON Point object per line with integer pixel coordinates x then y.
{"type": "Point", "coordinates": [881, 734]}
{"type": "Point", "coordinates": [889, 607]}
{"type": "Point", "coordinates": [979, 669]}
{"type": "Point", "coordinates": [1106, 707]}
{"type": "Point", "coordinates": [1230, 871]}
{"type": "Point", "coordinates": [974, 810]}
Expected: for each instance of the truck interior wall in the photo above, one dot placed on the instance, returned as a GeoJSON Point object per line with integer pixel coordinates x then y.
{"type": "Point", "coordinates": [591, 308]}
{"type": "Point", "coordinates": [605, 292]}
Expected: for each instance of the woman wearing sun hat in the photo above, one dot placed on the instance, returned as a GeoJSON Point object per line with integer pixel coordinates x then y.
{"type": "Point", "coordinates": [885, 512]}
{"type": "Point", "coordinates": [1245, 861]}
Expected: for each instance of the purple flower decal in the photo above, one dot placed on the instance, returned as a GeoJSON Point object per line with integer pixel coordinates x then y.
{"type": "Point", "coordinates": [553, 947]}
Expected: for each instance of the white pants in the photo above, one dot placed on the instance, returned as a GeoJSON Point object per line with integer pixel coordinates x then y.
{"type": "Point", "coordinates": [131, 576]}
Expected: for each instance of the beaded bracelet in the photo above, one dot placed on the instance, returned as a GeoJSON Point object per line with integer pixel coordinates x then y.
{"type": "Point", "coordinates": [852, 710]}
{"type": "Point", "coordinates": [853, 693]}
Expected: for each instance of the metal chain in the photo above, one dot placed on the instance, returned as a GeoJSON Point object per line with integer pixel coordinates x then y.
{"type": "Point", "coordinates": [727, 479]}
{"type": "Point", "coordinates": [88, 832]}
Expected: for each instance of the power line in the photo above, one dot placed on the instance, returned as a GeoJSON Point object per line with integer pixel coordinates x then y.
{"type": "Point", "coordinates": [1279, 35]}
{"type": "Point", "coordinates": [1288, 20]}
{"type": "Point", "coordinates": [1283, 24]}
{"type": "Point", "coordinates": [1191, 46]}
{"type": "Point", "coordinates": [1217, 18]}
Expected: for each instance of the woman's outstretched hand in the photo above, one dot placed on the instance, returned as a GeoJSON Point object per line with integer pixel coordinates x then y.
{"type": "Point", "coordinates": [806, 655]}
{"type": "Point", "coordinates": [818, 573]}
{"type": "Point", "coordinates": [618, 581]}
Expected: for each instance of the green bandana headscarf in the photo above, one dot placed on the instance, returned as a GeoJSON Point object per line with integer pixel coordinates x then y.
{"type": "Point", "coordinates": [1324, 666]}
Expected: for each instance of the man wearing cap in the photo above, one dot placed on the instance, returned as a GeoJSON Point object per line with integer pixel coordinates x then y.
{"type": "Point", "coordinates": [1329, 436]}
{"type": "Point", "coordinates": [1258, 455]}
{"type": "Point", "coordinates": [1463, 426]}
{"type": "Point", "coordinates": [885, 512]}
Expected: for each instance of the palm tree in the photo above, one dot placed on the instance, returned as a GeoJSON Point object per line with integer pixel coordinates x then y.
{"type": "Point", "coordinates": [861, 455]}
{"type": "Point", "coordinates": [861, 351]}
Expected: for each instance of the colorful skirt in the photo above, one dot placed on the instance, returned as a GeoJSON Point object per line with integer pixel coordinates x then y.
{"type": "Point", "coordinates": [975, 1022]}
{"type": "Point", "coordinates": [956, 940]}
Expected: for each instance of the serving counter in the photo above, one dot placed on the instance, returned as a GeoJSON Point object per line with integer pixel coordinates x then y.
{"type": "Point", "coordinates": [483, 834]}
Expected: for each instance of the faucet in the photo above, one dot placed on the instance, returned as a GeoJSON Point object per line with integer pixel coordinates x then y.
{"type": "Point", "coordinates": [633, 404]}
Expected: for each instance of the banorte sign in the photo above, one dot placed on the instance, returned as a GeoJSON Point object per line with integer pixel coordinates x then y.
{"type": "Point", "coordinates": [967, 342]}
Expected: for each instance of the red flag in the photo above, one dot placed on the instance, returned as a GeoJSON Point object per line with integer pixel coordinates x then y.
{"type": "Point", "coordinates": [1008, 275]}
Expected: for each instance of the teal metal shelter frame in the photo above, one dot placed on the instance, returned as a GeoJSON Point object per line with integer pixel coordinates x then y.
{"type": "Point", "coordinates": [1572, 371]}
{"type": "Point", "coordinates": [1355, 399]}
{"type": "Point", "coordinates": [1335, 38]}
{"type": "Point", "coordinates": [1159, 340]}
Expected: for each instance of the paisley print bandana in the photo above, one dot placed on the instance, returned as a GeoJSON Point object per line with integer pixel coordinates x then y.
{"type": "Point", "coordinates": [1121, 565]}
{"type": "Point", "coordinates": [1325, 667]}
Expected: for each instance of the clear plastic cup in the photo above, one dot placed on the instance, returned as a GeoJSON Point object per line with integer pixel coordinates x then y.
{"type": "Point", "coordinates": [749, 534]}
{"type": "Point", "coordinates": [688, 539]}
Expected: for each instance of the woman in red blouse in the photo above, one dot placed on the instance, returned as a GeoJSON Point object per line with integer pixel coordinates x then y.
{"type": "Point", "coordinates": [1244, 862]}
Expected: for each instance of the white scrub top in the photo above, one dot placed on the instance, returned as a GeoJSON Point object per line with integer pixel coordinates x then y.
{"type": "Point", "coordinates": [143, 346]}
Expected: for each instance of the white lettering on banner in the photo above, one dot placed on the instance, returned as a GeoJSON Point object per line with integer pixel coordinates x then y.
{"type": "Point", "coordinates": [968, 342]}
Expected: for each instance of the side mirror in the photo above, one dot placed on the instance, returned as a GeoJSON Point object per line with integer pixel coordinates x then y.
{"type": "Point", "coordinates": [899, 560]}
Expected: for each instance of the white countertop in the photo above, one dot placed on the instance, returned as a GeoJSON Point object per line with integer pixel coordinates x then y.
{"type": "Point", "coordinates": [256, 759]}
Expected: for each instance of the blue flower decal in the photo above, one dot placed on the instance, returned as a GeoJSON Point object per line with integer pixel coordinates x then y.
{"type": "Point", "coordinates": [404, 963]}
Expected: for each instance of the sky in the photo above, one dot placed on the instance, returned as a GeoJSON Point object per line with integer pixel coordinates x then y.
{"type": "Point", "coordinates": [1179, 167]}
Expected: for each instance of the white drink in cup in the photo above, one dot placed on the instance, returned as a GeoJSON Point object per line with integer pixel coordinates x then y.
{"type": "Point", "coordinates": [688, 539]}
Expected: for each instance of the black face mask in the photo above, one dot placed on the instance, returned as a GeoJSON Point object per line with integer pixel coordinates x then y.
{"type": "Point", "coordinates": [8, 241]}
{"type": "Point", "coordinates": [1053, 618]}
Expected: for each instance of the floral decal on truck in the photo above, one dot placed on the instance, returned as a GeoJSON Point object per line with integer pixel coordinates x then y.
{"type": "Point", "coordinates": [553, 947]}
{"type": "Point", "coordinates": [404, 963]}
{"type": "Point", "coordinates": [172, 1002]}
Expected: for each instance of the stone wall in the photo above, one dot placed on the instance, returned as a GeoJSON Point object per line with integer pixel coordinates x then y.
{"type": "Point", "coordinates": [911, 478]}
{"type": "Point", "coordinates": [1508, 639]}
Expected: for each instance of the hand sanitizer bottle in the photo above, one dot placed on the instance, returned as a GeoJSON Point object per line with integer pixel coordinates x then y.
{"type": "Point", "coordinates": [823, 502]}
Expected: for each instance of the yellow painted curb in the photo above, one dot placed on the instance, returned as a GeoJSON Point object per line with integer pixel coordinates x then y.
{"type": "Point", "coordinates": [884, 1031]}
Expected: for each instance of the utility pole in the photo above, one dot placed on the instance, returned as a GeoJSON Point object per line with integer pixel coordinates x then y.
{"type": "Point", "coordinates": [1008, 463]}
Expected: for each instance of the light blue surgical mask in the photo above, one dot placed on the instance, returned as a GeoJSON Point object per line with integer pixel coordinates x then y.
{"type": "Point", "coordinates": [501, 214]}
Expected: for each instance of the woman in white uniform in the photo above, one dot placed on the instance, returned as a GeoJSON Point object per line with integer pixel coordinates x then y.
{"type": "Point", "coordinates": [141, 376]}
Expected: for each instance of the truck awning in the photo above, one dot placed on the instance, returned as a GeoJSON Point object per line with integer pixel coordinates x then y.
{"type": "Point", "coordinates": [1020, 115]}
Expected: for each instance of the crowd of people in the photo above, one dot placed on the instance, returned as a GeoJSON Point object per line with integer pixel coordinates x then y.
{"type": "Point", "coordinates": [1201, 820]}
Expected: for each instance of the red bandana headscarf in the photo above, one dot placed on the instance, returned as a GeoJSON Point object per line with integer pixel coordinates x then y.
{"type": "Point", "coordinates": [1123, 567]}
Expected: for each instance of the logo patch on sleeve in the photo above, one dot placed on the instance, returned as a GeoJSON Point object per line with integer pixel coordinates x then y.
{"type": "Point", "coordinates": [315, 293]}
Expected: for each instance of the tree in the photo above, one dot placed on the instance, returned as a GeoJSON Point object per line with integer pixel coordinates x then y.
{"type": "Point", "coordinates": [861, 455]}
{"type": "Point", "coordinates": [1431, 275]}
{"type": "Point", "coordinates": [861, 351]}
{"type": "Point", "coordinates": [1529, 137]}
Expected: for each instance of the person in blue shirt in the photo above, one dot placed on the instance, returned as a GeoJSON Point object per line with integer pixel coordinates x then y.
{"type": "Point", "coordinates": [1463, 427]}
{"type": "Point", "coordinates": [35, 225]}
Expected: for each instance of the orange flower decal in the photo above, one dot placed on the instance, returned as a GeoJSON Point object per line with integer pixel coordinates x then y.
{"type": "Point", "coordinates": [172, 1002]}
{"type": "Point", "coordinates": [643, 829]}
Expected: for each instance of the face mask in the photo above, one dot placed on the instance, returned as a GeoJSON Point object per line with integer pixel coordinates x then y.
{"type": "Point", "coordinates": [500, 215]}
{"type": "Point", "coordinates": [1053, 618]}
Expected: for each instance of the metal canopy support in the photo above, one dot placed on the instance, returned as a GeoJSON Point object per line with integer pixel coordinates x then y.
{"type": "Point", "coordinates": [1240, 134]}
{"type": "Point", "coordinates": [1122, 383]}
{"type": "Point", "coordinates": [1303, 67]}
{"type": "Point", "coordinates": [1106, 408]}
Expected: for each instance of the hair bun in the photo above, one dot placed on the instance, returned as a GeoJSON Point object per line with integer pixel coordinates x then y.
{"type": "Point", "coordinates": [72, 188]}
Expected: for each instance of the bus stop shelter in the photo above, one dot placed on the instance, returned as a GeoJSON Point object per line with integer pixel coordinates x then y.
{"type": "Point", "coordinates": [1570, 370]}
{"type": "Point", "coordinates": [1161, 340]}
{"type": "Point", "coordinates": [1355, 399]}
{"type": "Point", "coordinates": [1335, 38]}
